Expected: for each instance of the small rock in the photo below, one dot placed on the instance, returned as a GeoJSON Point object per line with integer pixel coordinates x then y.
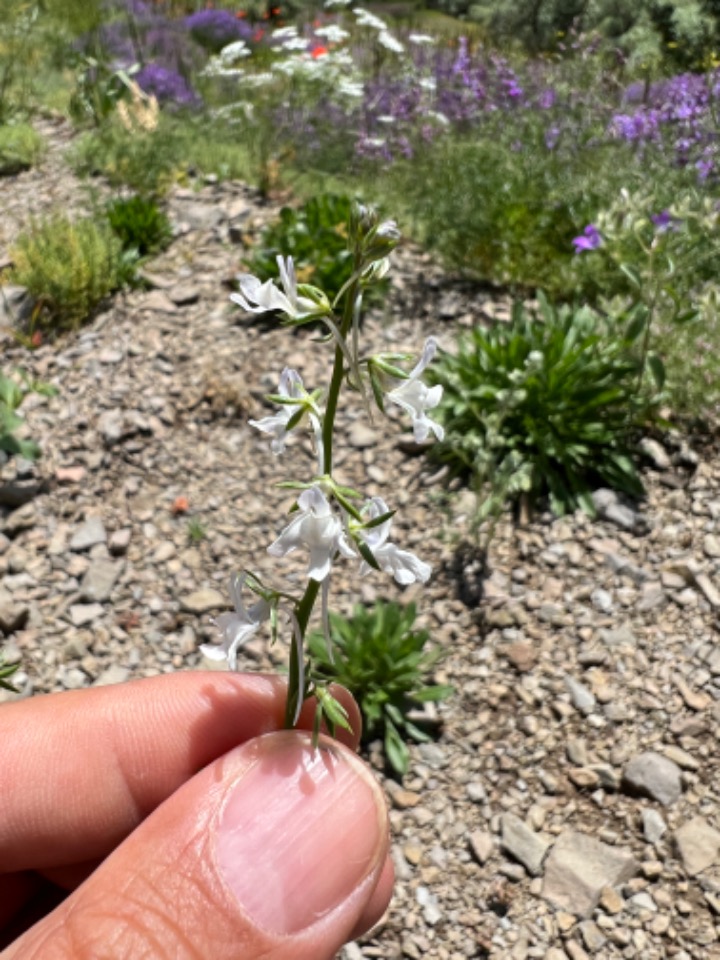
{"type": "Point", "coordinates": [119, 541]}
{"type": "Point", "coordinates": [482, 846]}
{"type": "Point", "coordinates": [82, 613]}
{"type": "Point", "coordinates": [183, 295]}
{"type": "Point", "coordinates": [88, 535]}
{"type": "Point", "coordinates": [697, 845]}
{"type": "Point", "coordinates": [112, 674]}
{"type": "Point", "coordinates": [622, 636]}
{"type": "Point", "coordinates": [609, 508]}
{"type": "Point", "coordinates": [656, 453]}
{"type": "Point", "coordinates": [99, 580]}
{"type": "Point", "coordinates": [69, 475]}
{"type": "Point", "coordinates": [579, 867]}
{"type": "Point", "coordinates": [523, 844]}
{"type": "Point", "coordinates": [24, 518]}
{"type": "Point", "coordinates": [711, 546]}
{"type": "Point", "coordinates": [203, 601]}
{"type": "Point", "coordinates": [709, 589]}
{"type": "Point", "coordinates": [653, 825]}
{"type": "Point", "coordinates": [523, 656]}
{"type": "Point", "coordinates": [693, 699]}
{"type": "Point", "coordinates": [582, 698]}
{"type": "Point", "coordinates": [13, 613]}
{"type": "Point", "coordinates": [651, 775]}
{"type": "Point", "coordinates": [611, 901]}
{"type": "Point", "coordinates": [362, 437]}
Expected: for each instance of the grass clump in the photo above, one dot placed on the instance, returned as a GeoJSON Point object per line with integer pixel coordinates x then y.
{"type": "Point", "coordinates": [68, 268]}
{"type": "Point", "coordinates": [546, 405]}
{"type": "Point", "coordinates": [140, 225]}
{"type": "Point", "coordinates": [21, 147]}
{"type": "Point", "coordinates": [379, 655]}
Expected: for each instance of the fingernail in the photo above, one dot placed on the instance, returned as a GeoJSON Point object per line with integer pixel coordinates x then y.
{"type": "Point", "coordinates": [301, 829]}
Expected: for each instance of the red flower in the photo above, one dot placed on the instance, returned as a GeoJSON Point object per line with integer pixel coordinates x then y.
{"type": "Point", "coordinates": [318, 52]}
{"type": "Point", "coordinates": [180, 505]}
{"type": "Point", "coordinates": [240, 14]}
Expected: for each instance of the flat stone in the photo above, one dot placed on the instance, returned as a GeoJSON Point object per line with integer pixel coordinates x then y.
{"type": "Point", "coordinates": [609, 508]}
{"type": "Point", "coordinates": [158, 302]}
{"type": "Point", "coordinates": [82, 613]}
{"type": "Point", "coordinates": [697, 844]}
{"type": "Point", "coordinates": [651, 775]}
{"type": "Point", "coordinates": [203, 601]}
{"type": "Point", "coordinates": [577, 869]}
{"type": "Point", "coordinates": [88, 535]}
{"type": "Point", "coordinates": [523, 844]}
{"type": "Point", "coordinates": [113, 674]}
{"type": "Point", "coordinates": [362, 437]}
{"type": "Point", "coordinates": [183, 295]}
{"type": "Point", "coordinates": [621, 636]}
{"type": "Point", "coordinates": [99, 579]}
{"type": "Point", "coordinates": [482, 845]}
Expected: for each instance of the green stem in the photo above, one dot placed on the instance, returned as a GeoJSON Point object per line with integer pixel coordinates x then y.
{"type": "Point", "coordinates": [305, 607]}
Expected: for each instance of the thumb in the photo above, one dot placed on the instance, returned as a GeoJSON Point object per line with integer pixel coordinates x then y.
{"type": "Point", "coordinates": [277, 851]}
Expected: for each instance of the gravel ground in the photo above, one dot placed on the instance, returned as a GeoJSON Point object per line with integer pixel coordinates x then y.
{"type": "Point", "coordinates": [569, 807]}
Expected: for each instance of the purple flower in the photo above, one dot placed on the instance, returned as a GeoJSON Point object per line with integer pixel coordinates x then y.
{"type": "Point", "coordinates": [167, 85]}
{"type": "Point", "coordinates": [664, 221]}
{"type": "Point", "coordinates": [590, 239]}
{"type": "Point", "coordinates": [215, 29]}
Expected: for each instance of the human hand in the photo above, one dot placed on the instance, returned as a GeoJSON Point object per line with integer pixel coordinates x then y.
{"type": "Point", "coordinates": [173, 817]}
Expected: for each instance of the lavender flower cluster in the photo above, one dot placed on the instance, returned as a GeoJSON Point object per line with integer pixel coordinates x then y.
{"type": "Point", "coordinates": [679, 114]}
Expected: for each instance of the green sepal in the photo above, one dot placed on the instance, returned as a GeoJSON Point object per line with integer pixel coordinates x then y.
{"type": "Point", "coordinates": [367, 554]}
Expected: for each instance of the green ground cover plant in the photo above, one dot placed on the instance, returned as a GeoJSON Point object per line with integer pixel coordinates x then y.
{"type": "Point", "coordinates": [379, 655]}
{"type": "Point", "coordinates": [68, 268]}
{"type": "Point", "coordinates": [140, 224]}
{"type": "Point", "coordinates": [21, 147]}
{"type": "Point", "coordinates": [13, 390]}
{"type": "Point", "coordinates": [548, 405]}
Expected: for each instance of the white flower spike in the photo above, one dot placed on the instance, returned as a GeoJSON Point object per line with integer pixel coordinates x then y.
{"type": "Point", "coordinates": [317, 528]}
{"type": "Point", "coordinates": [236, 628]}
{"type": "Point", "coordinates": [404, 566]}
{"type": "Point", "coordinates": [416, 398]}
{"type": "Point", "coordinates": [258, 297]}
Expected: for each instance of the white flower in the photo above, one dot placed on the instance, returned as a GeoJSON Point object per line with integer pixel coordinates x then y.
{"type": "Point", "coordinates": [404, 566]}
{"type": "Point", "coordinates": [415, 397]}
{"type": "Point", "coordinates": [367, 19]}
{"type": "Point", "coordinates": [236, 628]}
{"type": "Point", "coordinates": [387, 40]}
{"type": "Point", "coordinates": [266, 296]}
{"type": "Point", "coordinates": [332, 33]}
{"type": "Point", "coordinates": [317, 528]}
{"type": "Point", "coordinates": [350, 88]}
{"type": "Point", "coordinates": [421, 39]}
{"type": "Point", "coordinates": [234, 50]}
{"type": "Point", "coordinates": [292, 387]}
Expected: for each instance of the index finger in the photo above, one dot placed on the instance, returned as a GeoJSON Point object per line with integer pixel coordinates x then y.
{"type": "Point", "coordinates": [79, 770]}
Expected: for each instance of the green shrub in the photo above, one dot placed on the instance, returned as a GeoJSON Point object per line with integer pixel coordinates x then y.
{"type": "Point", "coordinates": [21, 147]}
{"type": "Point", "coordinates": [378, 655]}
{"type": "Point", "coordinates": [12, 393]}
{"type": "Point", "coordinates": [147, 162]}
{"type": "Point", "coordinates": [140, 225]}
{"type": "Point", "coordinates": [315, 235]}
{"type": "Point", "coordinates": [546, 405]}
{"type": "Point", "coordinates": [68, 268]}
